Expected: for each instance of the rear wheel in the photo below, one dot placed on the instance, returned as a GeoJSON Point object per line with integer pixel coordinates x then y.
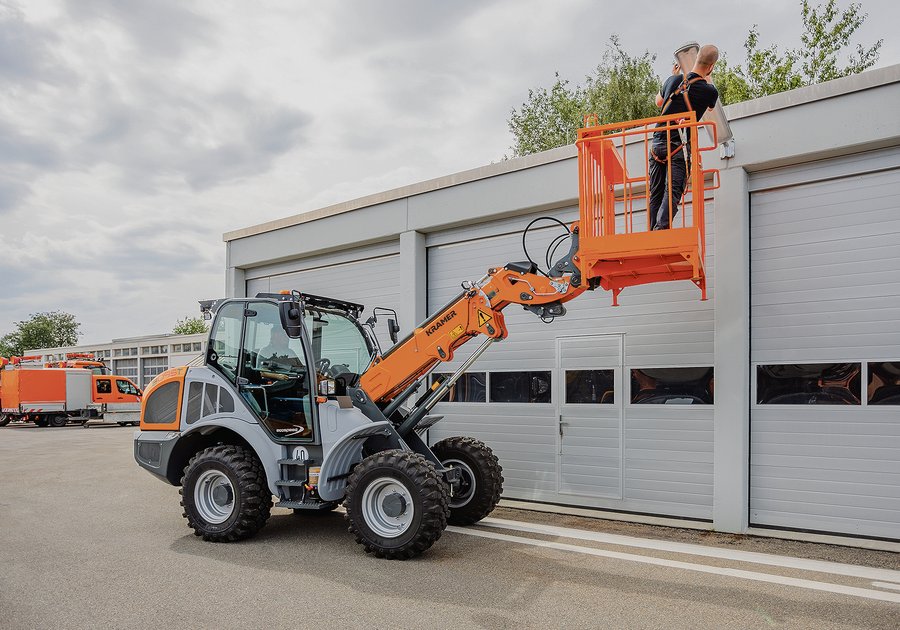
{"type": "Point", "coordinates": [481, 482]}
{"type": "Point", "coordinates": [397, 504]}
{"type": "Point", "coordinates": [224, 494]}
{"type": "Point", "coordinates": [59, 421]}
{"type": "Point", "coordinates": [5, 419]}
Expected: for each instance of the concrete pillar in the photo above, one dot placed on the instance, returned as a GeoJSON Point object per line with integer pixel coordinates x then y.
{"type": "Point", "coordinates": [235, 282]}
{"type": "Point", "coordinates": [413, 280]}
{"type": "Point", "coordinates": [731, 441]}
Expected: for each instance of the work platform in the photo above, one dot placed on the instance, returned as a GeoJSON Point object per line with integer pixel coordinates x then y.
{"type": "Point", "coordinates": [615, 250]}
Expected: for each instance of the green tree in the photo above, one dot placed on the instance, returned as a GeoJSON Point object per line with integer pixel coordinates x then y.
{"type": "Point", "coordinates": [41, 330]}
{"type": "Point", "coordinates": [622, 87]}
{"type": "Point", "coordinates": [822, 55]}
{"type": "Point", "coordinates": [190, 326]}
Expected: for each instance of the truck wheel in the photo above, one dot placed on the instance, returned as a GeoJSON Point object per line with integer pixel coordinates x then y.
{"type": "Point", "coordinates": [58, 421]}
{"type": "Point", "coordinates": [482, 480]}
{"type": "Point", "coordinates": [397, 504]}
{"type": "Point", "coordinates": [5, 419]}
{"type": "Point", "coordinates": [224, 493]}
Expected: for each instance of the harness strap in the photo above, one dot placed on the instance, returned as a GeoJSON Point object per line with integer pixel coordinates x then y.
{"type": "Point", "coordinates": [682, 89]}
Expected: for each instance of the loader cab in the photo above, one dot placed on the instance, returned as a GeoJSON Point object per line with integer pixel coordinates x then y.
{"type": "Point", "coordinates": [277, 375]}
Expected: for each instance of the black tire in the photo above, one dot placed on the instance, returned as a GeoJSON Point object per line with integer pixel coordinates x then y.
{"type": "Point", "coordinates": [241, 474]}
{"type": "Point", "coordinates": [59, 421]}
{"type": "Point", "coordinates": [482, 482]}
{"type": "Point", "coordinates": [5, 419]}
{"type": "Point", "coordinates": [423, 504]}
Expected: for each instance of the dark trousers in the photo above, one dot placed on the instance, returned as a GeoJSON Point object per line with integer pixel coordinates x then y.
{"type": "Point", "coordinates": [659, 196]}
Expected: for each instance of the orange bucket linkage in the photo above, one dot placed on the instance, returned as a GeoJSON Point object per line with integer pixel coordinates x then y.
{"type": "Point", "coordinates": [615, 250]}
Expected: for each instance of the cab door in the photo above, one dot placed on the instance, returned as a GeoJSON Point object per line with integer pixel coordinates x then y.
{"type": "Point", "coordinates": [102, 391]}
{"type": "Point", "coordinates": [126, 391]}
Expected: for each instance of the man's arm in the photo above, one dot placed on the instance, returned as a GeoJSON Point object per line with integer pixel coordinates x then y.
{"type": "Point", "coordinates": [659, 99]}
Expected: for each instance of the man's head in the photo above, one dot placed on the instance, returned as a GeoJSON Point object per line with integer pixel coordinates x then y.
{"type": "Point", "coordinates": [706, 59]}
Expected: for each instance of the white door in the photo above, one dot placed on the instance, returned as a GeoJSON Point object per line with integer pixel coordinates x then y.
{"type": "Point", "coordinates": [589, 399]}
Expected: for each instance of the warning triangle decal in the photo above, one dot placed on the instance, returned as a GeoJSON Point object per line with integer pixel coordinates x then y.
{"type": "Point", "coordinates": [483, 318]}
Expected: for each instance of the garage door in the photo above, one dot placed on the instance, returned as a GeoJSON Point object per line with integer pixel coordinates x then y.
{"type": "Point", "coordinates": [825, 349]}
{"type": "Point", "coordinates": [372, 280]}
{"type": "Point", "coordinates": [555, 400]}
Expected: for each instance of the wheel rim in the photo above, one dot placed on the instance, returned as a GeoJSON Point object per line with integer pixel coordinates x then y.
{"type": "Point", "coordinates": [464, 492]}
{"type": "Point", "coordinates": [388, 507]}
{"type": "Point", "coordinates": [214, 496]}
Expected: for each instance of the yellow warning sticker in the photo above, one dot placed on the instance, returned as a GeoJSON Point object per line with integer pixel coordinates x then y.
{"type": "Point", "coordinates": [483, 318]}
{"type": "Point", "coordinates": [456, 332]}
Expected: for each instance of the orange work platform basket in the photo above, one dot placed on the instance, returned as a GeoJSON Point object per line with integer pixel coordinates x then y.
{"type": "Point", "coordinates": [617, 247]}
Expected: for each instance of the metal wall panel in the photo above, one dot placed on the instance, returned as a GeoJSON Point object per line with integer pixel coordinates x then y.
{"type": "Point", "coordinates": [666, 452]}
{"type": "Point", "coordinates": [825, 287]}
{"type": "Point", "coordinates": [369, 281]}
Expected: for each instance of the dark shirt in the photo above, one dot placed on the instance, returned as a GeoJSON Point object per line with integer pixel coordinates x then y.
{"type": "Point", "coordinates": [701, 94]}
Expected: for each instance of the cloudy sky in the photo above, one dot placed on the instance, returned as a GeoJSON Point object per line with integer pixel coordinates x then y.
{"type": "Point", "coordinates": [133, 133]}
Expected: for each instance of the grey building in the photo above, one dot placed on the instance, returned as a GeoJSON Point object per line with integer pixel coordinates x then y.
{"type": "Point", "coordinates": [137, 358]}
{"type": "Point", "coordinates": [803, 255]}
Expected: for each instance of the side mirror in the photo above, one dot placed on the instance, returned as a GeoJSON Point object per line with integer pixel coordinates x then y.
{"type": "Point", "coordinates": [393, 329]}
{"type": "Point", "coordinates": [291, 318]}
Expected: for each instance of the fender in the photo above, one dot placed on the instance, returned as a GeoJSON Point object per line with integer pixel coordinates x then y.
{"type": "Point", "coordinates": [346, 452]}
{"type": "Point", "coordinates": [268, 451]}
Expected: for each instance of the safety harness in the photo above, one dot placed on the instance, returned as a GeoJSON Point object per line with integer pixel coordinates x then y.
{"type": "Point", "coordinates": [682, 90]}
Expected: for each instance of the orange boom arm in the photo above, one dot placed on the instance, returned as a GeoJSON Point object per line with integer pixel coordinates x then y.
{"type": "Point", "coordinates": [477, 311]}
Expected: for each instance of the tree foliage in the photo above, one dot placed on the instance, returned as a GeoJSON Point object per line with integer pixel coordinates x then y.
{"type": "Point", "coordinates": [190, 326]}
{"type": "Point", "coordinates": [822, 56]}
{"type": "Point", "coordinates": [41, 330]}
{"type": "Point", "coordinates": [622, 87]}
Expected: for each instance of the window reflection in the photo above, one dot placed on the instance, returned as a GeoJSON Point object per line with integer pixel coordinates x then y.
{"type": "Point", "coordinates": [471, 387]}
{"type": "Point", "coordinates": [590, 387]}
{"type": "Point", "coordinates": [520, 387]}
{"type": "Point", "coordinates": [672, 386]}
{"type": "Point", "coordinates": [808, 384]}
{"type": "Point", "coordinates": [884, 383]}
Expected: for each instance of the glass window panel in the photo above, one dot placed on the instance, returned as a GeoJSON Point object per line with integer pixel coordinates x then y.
{"type": "Point", "coordinates": [884, 383]}
{"type": "Point", "coordinates": [520, 387]}
{"type": "Point", "coordinates": [471, 387]}
{"type": "Point", "coordinates": [809, 384]}
{"type": "Point", "coordinates": [590, 387]}
{"type": "Point", "coordinates": [195, 393]}
{"type": "Point", "coordinates": [672, 386]}
{"type": "Point", "coordinates": [162, 405]}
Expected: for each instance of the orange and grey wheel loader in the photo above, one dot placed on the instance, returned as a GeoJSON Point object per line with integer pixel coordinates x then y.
{"type": "Point", "coordinates": [295, 399]}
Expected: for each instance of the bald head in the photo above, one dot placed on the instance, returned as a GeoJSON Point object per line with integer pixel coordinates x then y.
{"type": "Point", "coordinates": [706, 59]}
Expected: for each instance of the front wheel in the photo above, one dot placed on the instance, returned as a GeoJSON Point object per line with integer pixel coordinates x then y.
{"type": "Point", "coordinates": [224, 493]}
{"type": "Point", "coordinates": [481, 483]}
{"type": "Point", "coordinates": [5, 419]}
{"type": "Point", "coordinates": [397, 504]}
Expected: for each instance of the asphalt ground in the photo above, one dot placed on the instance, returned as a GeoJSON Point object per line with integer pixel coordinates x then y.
{"type": "Point", "coordinates": [90, 540]}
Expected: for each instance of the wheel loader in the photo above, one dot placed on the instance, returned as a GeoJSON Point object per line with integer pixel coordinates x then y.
{"type": "Point", "coordinates": [295, 400]}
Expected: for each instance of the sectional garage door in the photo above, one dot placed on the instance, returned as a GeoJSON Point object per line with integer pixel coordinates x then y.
{"type": "Point", "coordinates": [368, 276]}
{"type": "Point", "coordinates": [825, 346]}
{"type": "Point", "coordinates": [650, 458]}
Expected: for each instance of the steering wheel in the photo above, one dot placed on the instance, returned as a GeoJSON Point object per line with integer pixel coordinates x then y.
{"type": "Point", "coordinates": [322, 365]}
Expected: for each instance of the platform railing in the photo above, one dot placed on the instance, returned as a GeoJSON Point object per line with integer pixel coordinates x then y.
{"type": "Point", "coordinates": [613, 191]}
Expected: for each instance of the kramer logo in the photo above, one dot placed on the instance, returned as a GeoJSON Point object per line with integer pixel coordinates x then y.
{"type": "Point", "coordinates": [443, 320]}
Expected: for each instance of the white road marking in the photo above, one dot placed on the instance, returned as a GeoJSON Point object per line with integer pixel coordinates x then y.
{"type": "Point", "coordinates": [819, 566]}
{"type": "Point", "coordinates": [689, 566]}
{"type": "Point", "coordinates": [896, 587]}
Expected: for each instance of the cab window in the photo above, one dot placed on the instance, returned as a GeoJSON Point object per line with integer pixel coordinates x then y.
{"type": "Point", "coordinates": [126, 387]}
{"type": "Point", "coordinates": [225, 341]}
{"type": "Point", "coordinates": [104, 386]}
{"type": "Point", "coordinates": [339, 346]}
{"type": "Point", "coordinates": [275, 369]}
